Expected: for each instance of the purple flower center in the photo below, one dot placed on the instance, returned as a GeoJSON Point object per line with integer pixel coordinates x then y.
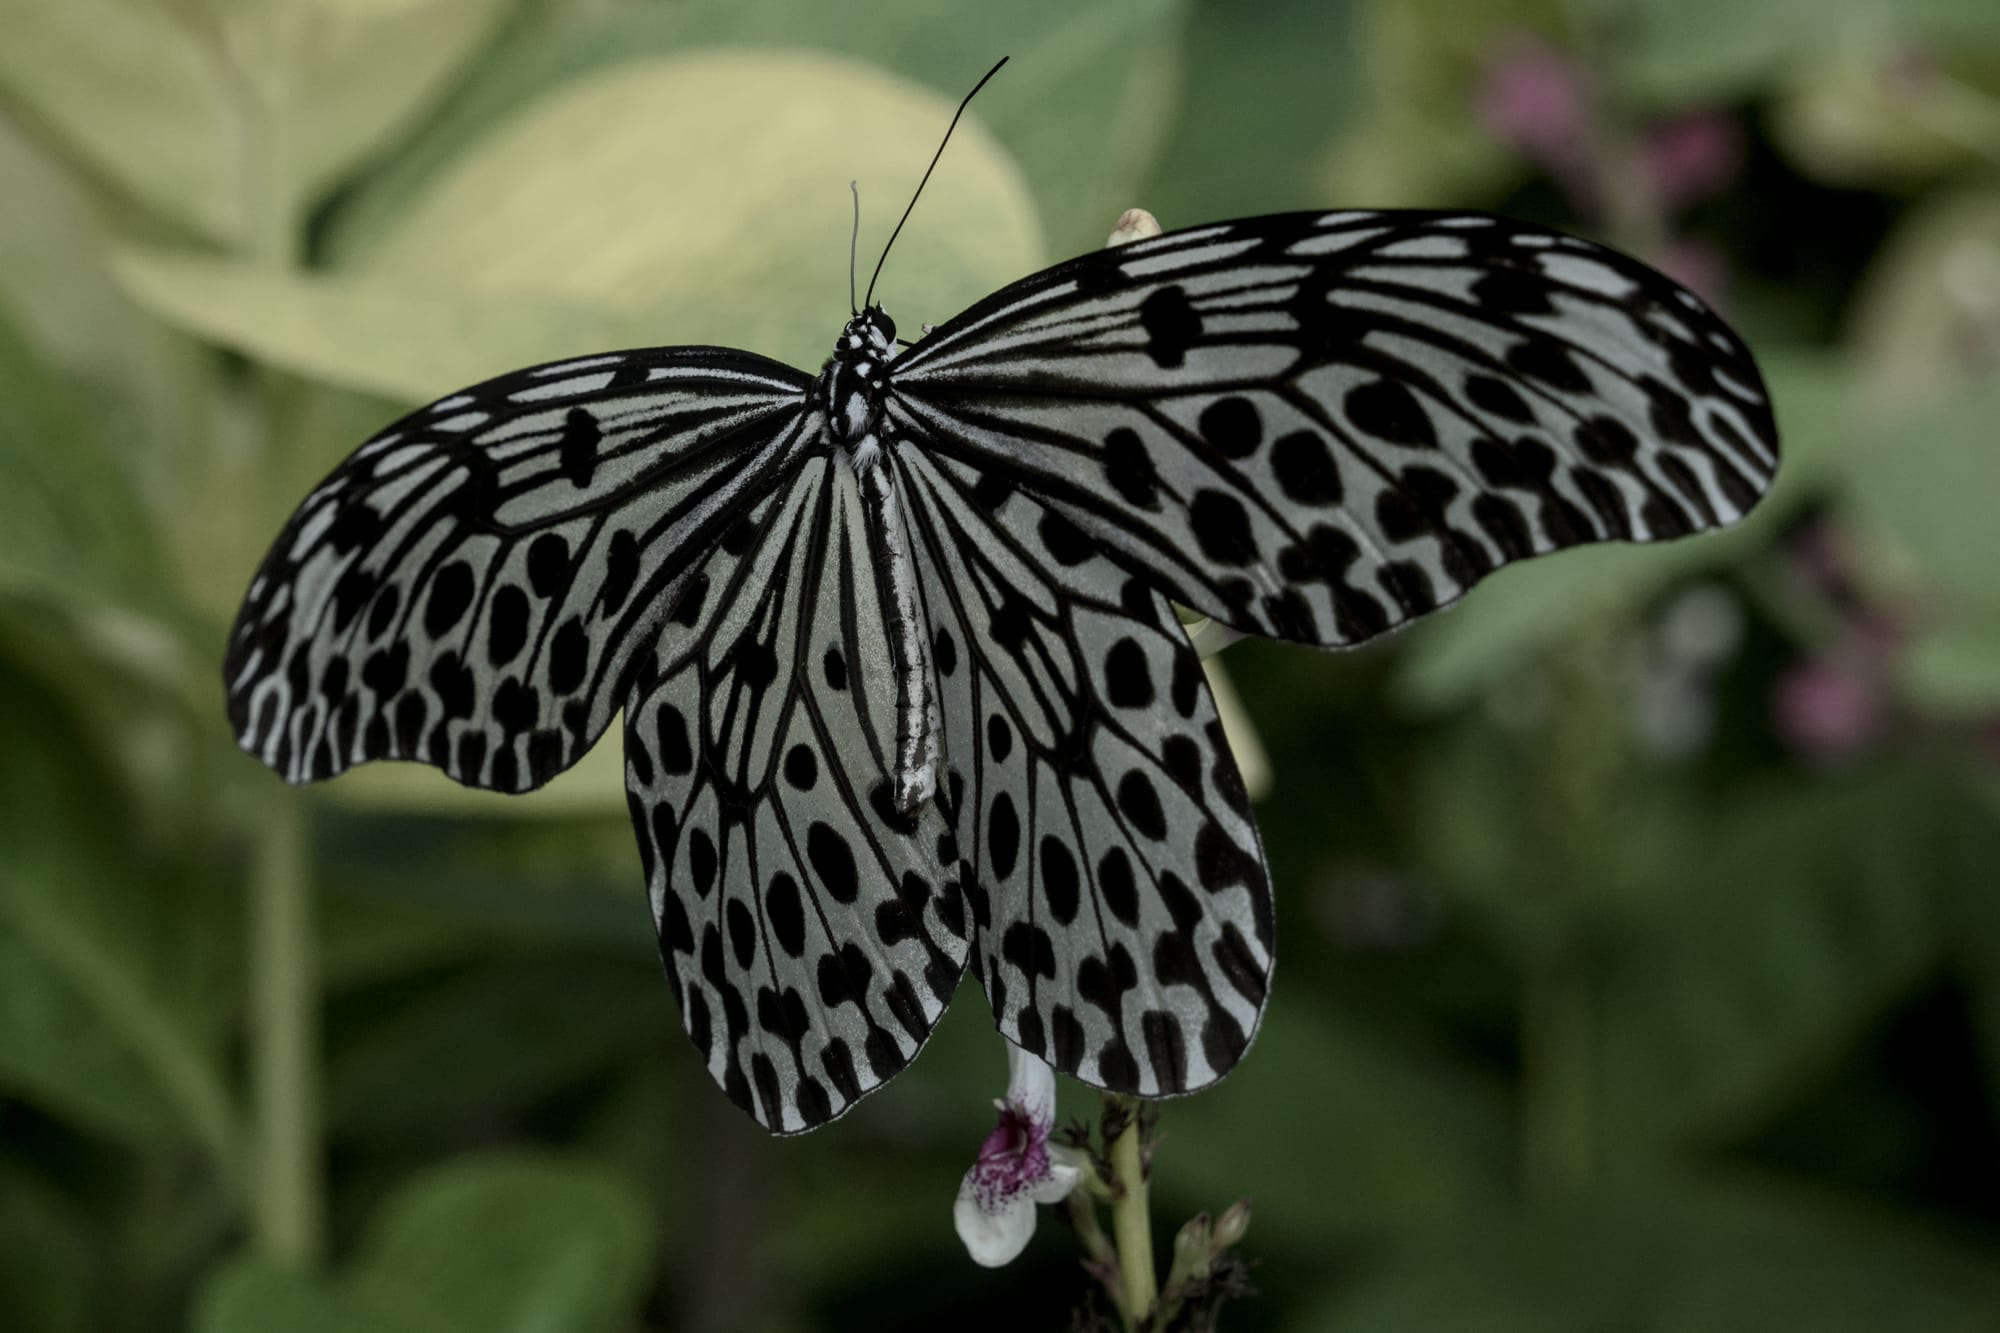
{"type": "Point", "coordinates": [1013, 1159]}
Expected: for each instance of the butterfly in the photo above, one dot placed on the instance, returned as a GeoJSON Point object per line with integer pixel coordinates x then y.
{"type": "Point", "coordinates": [902, 680]}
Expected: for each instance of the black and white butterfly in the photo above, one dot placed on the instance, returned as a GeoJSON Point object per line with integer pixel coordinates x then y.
{"type": "Point", "coordinates": [902, 680]}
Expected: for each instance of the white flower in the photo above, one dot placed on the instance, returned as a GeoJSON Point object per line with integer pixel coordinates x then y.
{"type": "Point", "coordinates": [1017, 1168]}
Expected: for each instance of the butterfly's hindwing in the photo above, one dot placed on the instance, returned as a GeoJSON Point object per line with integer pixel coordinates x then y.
{"type": "Point", "coordinates": [469, 587]}
{"type": "Point", "coordinates": [812, 930]}
{"type": "Point", "coordinates": [1320, 426]}
{"type": "Point", "coordinates": [1119, 890]}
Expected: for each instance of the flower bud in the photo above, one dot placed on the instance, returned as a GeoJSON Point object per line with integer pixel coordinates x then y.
{"type": "Point", "coordinates": [1134, 224]}
{"type": "Point", "coordinates": [1231, 1226]}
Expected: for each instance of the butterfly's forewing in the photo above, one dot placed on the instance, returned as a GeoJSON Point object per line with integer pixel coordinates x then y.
{"type": "Point", "coordinates": [469, 587]}
{"type": "Point", "coordinates": [813, 931]}
{"type": "Point", "coordinates": [1319, 426]}
{"type": "Point", "coordinates": [1117, 883]}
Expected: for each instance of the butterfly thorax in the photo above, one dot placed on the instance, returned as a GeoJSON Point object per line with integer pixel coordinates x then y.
{"type": "Point", "coordinates": [851, 385]}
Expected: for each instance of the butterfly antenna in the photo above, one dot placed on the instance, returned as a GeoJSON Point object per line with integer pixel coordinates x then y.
{"type": "Point", "coordinates": [853, 237]}
{"type": "Point", "coordinates": [927, 175]}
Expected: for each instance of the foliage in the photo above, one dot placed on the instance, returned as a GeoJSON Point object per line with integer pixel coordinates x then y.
{"type": "Point", "coordinates": [1640, 917]}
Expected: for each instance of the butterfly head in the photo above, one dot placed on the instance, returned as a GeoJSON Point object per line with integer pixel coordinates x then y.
{"type": "Point", "coordinates": [855, 374]}
{"type": "Point", "coordinates": [871, 330]}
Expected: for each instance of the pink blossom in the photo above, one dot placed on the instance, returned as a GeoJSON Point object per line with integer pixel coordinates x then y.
{"type": "Point", "coordinates": [1693, 156]}
{"type": "Point", "coordinates": [1533, 98]}
{"type": "Point", "coordinates": [1827, 712]}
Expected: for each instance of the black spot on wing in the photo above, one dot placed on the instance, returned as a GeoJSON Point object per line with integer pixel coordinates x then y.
{"type": "Point", "coordinates": [577, 451]}
{"type": "Point", "coordinates": [1171, 326]}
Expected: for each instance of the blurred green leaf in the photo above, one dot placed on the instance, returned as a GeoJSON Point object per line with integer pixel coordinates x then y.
{"type": "Point", "coordinates": [510, 1244]}
{"type": "Point", "coordinates": [1799, 917]}
{"type": "Point", "coordinates": [1083, 106]}
{"type": "Point", "coordinates": [1490, 835]}
{"type": "Point", "coordinates": [52, 280]}
{"type": "Point", "coordinates": [407, 343]}
{"type": "Point", "coordinates": [369, 69]}
{"type": "Point", "coordinates": [1954, 670]}
{"type": "Point", "coordinates": [106, 1012]}
{"type": "Point", "coordinates": [1851, 117]}
{"type": "Point", "coordinates": [492, 1244]}
{"type": "Point", "coordinates": [721, 232]}
{"type": "Point", "coordinates": [129, 90]}
{"type": "Point", "coordinates": [1414, 139]}
{"type": "Point", "coordinates": [1503, 624]}
{"type": "Point", "coordinates": [556, 238]}
{"type": "Point", "coordinates": [498, 1035]}
{"type": "Point", "coordinates": [1336, 1129]}
{"type": "Point", "coordinates": [1924, 487]}
{"type": "Point", "coordinates": [1277, 74]}
{"type": "Point", "coordinates": [253, 1295]}
{"type": "Point", "coordinates": [71, 528]}
{"type": "Point", "coordinates": [1706, 1259]}
{"type": "Point", "coordinates": [159, 101]}
{"type": "Point", "coordinates": [48, 1264]}
{"type": "Point", "coordinates": [408, 891]}
{"type": "Point", "coordinates": [1674, 52]}
{"type": "Point", "coordinates": [1921, 309]}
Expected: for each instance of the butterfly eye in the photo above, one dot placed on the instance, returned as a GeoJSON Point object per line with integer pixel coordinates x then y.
{"type": "Point", "coordinates": [883, 324]}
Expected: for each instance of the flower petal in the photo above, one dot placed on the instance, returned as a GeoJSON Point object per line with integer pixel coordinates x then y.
{"type": "Point", "coordinates": [994, 1230]}
{"type": "Point", "coordinates": [1031, 1085]}
{"type": "Point", "coordinates": [1066, 1167]}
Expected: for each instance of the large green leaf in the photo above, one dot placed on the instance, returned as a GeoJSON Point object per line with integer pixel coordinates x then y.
{"type": "Point", "coordinates": [576, 227]}
{"type": "Point", "coordinates": [1915, 318]}
{"type": "Point", "coordinates": [127, 89]}
{"type": "Point", "coordinates": [1923, 487]}
{"type": "Point", "coordinates": [719, 231]}
{"type": "Point", "coordinates": [161, 102]}
{"type": "Point", "coordinates": [107, 1012]}
{"type": "Point", "coordinates": [369, 69]}
{"type": "Point", "coordinates": [71, 527]}
{"type": "Point", "coordinates": [402, 341]}
{"type": "Point", "coordinates": [497, 1244]}
{"type": "Point", "coordinates": [1706, 1259]}
{"type": "Point", "coordinates": [1083, 106]}
{"type": "Point", "coordinates": [52, 279]}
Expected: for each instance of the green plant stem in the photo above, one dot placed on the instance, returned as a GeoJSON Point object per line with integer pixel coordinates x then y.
{"type": "Point", "coordinates": [1580, 761]}
{"type": "Point", "coordinates": [1131, 1223]}
{"type": "Point", "coordinates": [285, 1184]}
